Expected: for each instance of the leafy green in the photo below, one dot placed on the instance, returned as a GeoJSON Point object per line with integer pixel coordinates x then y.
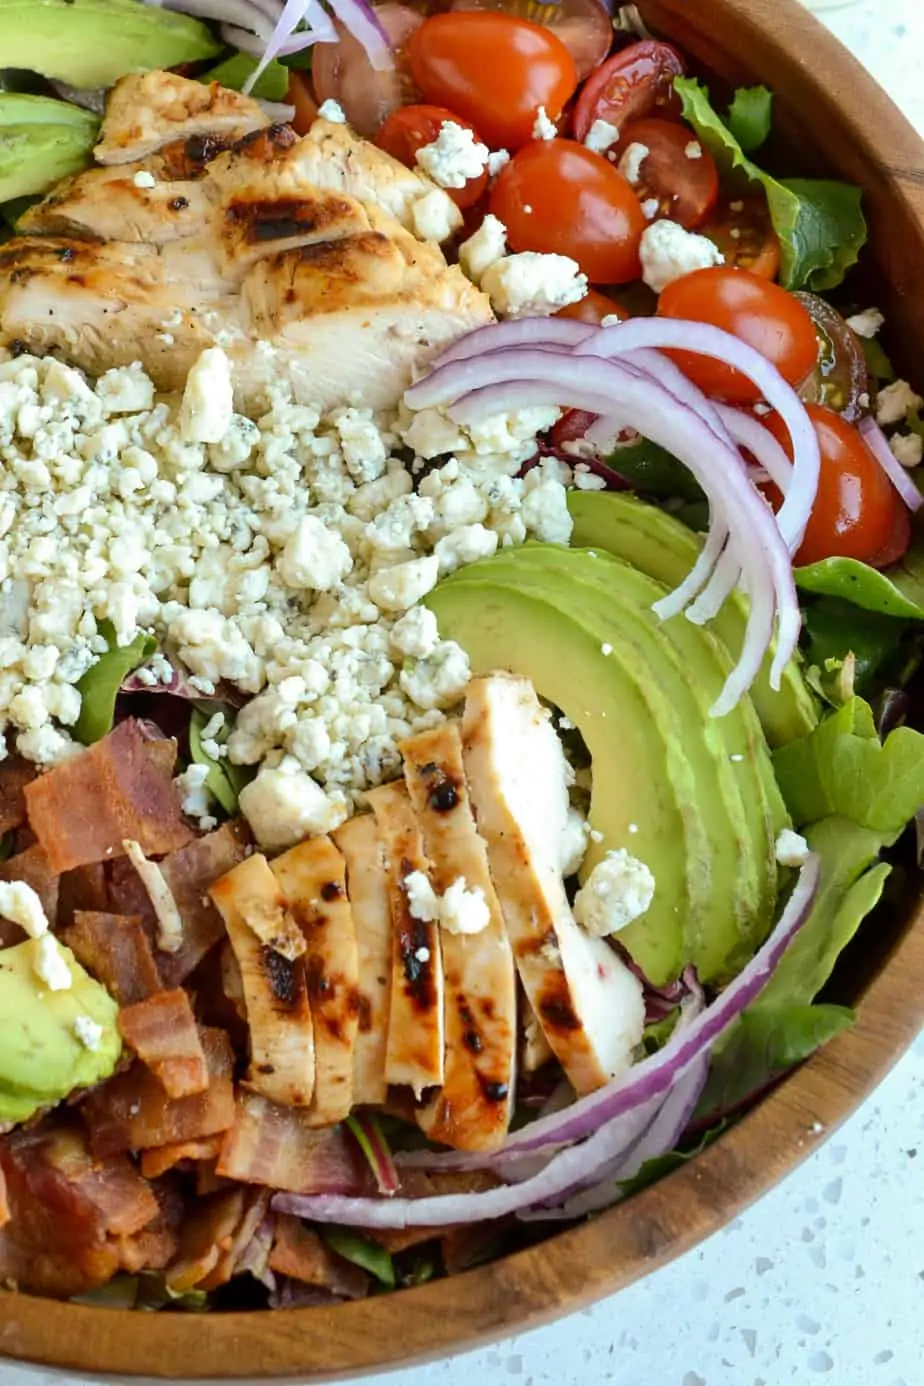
{"type": "Point", "coordinates": [880, 645]}
{"type": "Point", "coordinates": [852, 882]}
{"type": "Point", "coordinates": [352, 1247]}
{"type": "Point", "coordinates": [100, 685]}
{"type": "Point", "coordinates": [654, 471]}
{"type": "Point", "coordinates": [271, 85]}
{"type": "Point", "coordinates": [658, 1032]}
{"type": "Point", "coordinates": [769, 1040]}
{"type": "Point", "coordinates": [656, 1168]}
{"type": "Point", "coordinates": [225, 781]}
{"type": "Point", "coordinates": [750, 116]}
{"type": "Point", "coordinates": [843, 768]}
{"type": "Point", "coordinates": [819, 222]}
{"type": "Point", "coordinates": [856, 582]}
{"type": "Point", "coordinates": [420, 1269]}
{"type": "Point", "coordinates": [121, 1292]}
{"type": "Point", "coordinates": [877, 362]}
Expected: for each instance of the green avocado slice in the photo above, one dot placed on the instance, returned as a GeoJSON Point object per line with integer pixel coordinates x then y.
{"type": "Point", "coordinates": [42, 1058]}
{"type": "Point", "coordinates": [92, 43]}
{"type": "Point", "coordinates": [665, 549]}
{"type": "Point", "coordinates": [502, 627]}
{"type": "Point", "coordinates": [41, 142]}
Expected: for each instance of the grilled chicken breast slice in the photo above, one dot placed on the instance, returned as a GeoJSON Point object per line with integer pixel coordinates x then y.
{"type": "Point", "coordinates": [472, 1109]}
{"type": "Point", "coordinates": [312, 877]}
{"type": "Point", "coordinates": [416, 1030]}
{"type": "Point", "coordinates": [367, 887]}
{"type": "Point", "coordinates": [589, 1004]}
{"type": "Point", "coordinates": [148, 110]}
{"type": "Point", "coordinates": [275, 995]}
{"type": "Point", "coordinates": [107, 204]}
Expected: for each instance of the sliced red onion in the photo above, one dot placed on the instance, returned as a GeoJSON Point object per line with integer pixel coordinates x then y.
{"type": "Point", "coordinates": [247, 14]}
{"type": "Point", "coordinates": [367, 1132]}
{"type": "Point", "coordinates": [249, 43]}
{"type": "Point", "coordinates": [593, 1121]}
{"type": "Point", "coordinates": [749, 433]}
{"type": "Point", "coordinates": [515, 332]}
{"type": "Point", "coordinates": [876, 441]}
{"type": "Point", "coordinates": [675, 602]}
{"type": "Point", "coordinates": [706, 340]}
{"type": "Point", "coordinates": [293, 12]}
{"type": "Point", "coordinates": [360, 18]}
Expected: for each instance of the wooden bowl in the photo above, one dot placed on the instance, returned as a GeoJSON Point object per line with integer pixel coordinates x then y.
{"type": "Point", "coordinates": [827, 104]}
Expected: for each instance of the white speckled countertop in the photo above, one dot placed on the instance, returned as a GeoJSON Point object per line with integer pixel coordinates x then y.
{"type": "Point", "coordinates": [822, 1281]}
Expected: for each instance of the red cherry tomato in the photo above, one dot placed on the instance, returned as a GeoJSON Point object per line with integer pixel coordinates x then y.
{"type": "Point", "coordinates": [342, 71]}
{"type": "Point", "coordinates": [686, 188]}
{"type": "Point", "coordinates": [593, 307]}
{"type": "Point", "coordinates": [407, 130]}
{"type": "Point", "coordinates": [637, 81]}
{"type": "Point", "coordinates": [741, 228]}
{"type": "Point", "coordinates": [857, 513]}
{"type": "Point", "coordinates": [760, 313]}
{"type": "Point", "coordinates": [301, 96]}
{"type": "Point", "coordinates": [559, 196]}
{"type": "Point", "coordinates": [493, 69]}
{"type": "Point", "coordinates": [583, 26]}
{"type": "Point", "coordinates": [841, 377]}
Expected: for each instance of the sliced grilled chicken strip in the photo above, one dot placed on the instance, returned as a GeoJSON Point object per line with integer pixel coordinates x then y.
{"type": "Point", "coordinates": [312, 877]}
{"type": "Point", "coordinates": [367, 888]}
{"type": "Point", "coordinates": [148, 110]}
{"type": "Point", "coordinates": [282, 1061]}
{"type": "Point", "coordinates": [536, 1049]}
{"type": "Point", "coordinates": [416, 1029]}
{"type": "Point", "coordinates": [107, 204]}
{"type": "Point", "coordinates": [588, 1003]}
{"type": "Point", "coordinates": [472, 1109]}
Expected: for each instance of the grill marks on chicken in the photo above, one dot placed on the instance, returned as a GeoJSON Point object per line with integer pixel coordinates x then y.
{"type": "Point", "coordinates": [248, 237]}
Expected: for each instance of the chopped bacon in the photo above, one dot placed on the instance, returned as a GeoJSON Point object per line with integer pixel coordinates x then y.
{"type": "Point", "coordinates": [83, 889]}
{"type": "Point", "coordinates": [33, 867]}
{"type": "Point", "coordinates": [155, 1245]}
{"type": "Point", "coordinates": [69, 1211]}
{"type": "Point", "coordinates": [162, 1031]}
{"type": "Point", "coordinates": [275, 1146]}
{"type": "Point", "coordinates": [15, 774]}
{"type": "Point", "coordinates": [130, 1112]}
{"type": "Point", "coordinates": [207, 1231]}
{"type": "Point", "coordinates": [256, 1206]}
{"type": "Point", "coordinates": [116, 950]}
{"type": "Point", "coordinates": [4, 1200]}
{"type": "Point", "coordinates": [121, 788]}
{"type": "Point", "coordinates": [189, 872]}
{"type": "Point", "coordinates": [300, 1253]}
{"type": "Point", "coordinates": [158, 1161]}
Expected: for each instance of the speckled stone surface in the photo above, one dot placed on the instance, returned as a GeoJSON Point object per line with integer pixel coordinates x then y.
{"type": "Point", "coordinates": [822, 1281]}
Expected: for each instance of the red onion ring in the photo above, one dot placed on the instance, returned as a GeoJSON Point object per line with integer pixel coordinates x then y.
{"type": "Point", "coordinates": [876, 441]}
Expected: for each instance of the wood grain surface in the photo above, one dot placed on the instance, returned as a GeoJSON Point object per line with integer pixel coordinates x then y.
{"type": "Point", "coordinates": [840, 123]}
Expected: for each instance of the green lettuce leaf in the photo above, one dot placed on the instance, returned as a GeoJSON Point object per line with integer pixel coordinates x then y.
{"type": "Point", "coordinates": [843, 768]}
{"type": "Point", "coordinates": [225, 781]}
{"type": "Point", "coordinates": [856, 582]}
{"type": "Point", "coordinates": [656, 1168]}
{"type": "Point", "coordinates": [819, 222]}
{"type": "Point", "coordinates": [368, 1255]}
{"type": "Point", "coordinates": [100, 685]}
{"type": "Point", "coordinates": [654, 471]}
{"type": "Point", "coordinates": [750, 116]}
{"type": "Point", "coordinates": [884, 649]}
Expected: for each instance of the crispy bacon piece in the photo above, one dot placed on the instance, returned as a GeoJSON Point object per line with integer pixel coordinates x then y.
{"type": "Point", "coordinates": [189, 873]}
{"type": "Point", "coordinates": [157, 1162]}
{"type": "Point", "coordinates": [68, 1210]}
{"type": "Point", "coordinates": [116, 950]}
{"type": "Point", "coordinates": [130, 1112]}
{"type": "Point", "coordinates": [33, 867]}
{"type": "Point", "coordinates": [274, 987]}
{"type": "Point", "coordinates": [4, 1200]}
{"type": "Point", "coordinates": [15, 774]}
{"type": "Point", "coordinates": [121, 788]}
{"type": "Point", "coordinates": [276, 1146]}
{"type": "Point", "coordinates": [207, 1232]}
{"type": "Point", "coordinates": [312, 877]}
{"type": "Point", "coordinates": [156, 1244]}
{"type": "Point", "coordinates": [300, 1253]}
{"type": "Point", "coordinates": [256, 1207]}
{"type": "Point", "coordinates": [162, 1031]}
{"type": "Point", "coordinates": [82, 889]}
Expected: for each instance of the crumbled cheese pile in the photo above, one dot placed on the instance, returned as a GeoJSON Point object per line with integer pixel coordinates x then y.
{"type": "Point", "coordinates": [283, 556]}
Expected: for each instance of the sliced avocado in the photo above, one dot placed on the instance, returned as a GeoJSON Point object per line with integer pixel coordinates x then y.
{"type": "Point", "coordinates": [42, 1058]}
{"type": "Point", "coordinates": [92, 43]}
{"type": "Point", "coordinates": [41, 142]}
{"type": "Point", "coordinates": [737, 802]}
{"type": "Point", "coordinates": [271, 85]}
{"type": "Point", "coordinates": [502, 627]}
{"type": "Point", "coordinates": [660, 546]}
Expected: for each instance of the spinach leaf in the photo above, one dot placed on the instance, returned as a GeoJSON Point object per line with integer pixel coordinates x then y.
{"type": "Point", "coordinates": [225, 781]}
{"type": "Point", "coordinates": [654, 471]}
{"type": "Point", "coordinates": [880, 645]}
{"type": "Point", "coordinates": [819, 222]}
{"type": "Point", "coordinates": [750, 116]}
{"type": "Point", "coordinates": [856, 582]}
{"type": "Point", "coordinates": [371, 1257]}
{"type": "Point", "coordinates": [100, 685]}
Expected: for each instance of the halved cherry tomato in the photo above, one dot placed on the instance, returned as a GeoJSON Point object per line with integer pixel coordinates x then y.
{"type": "Point", "coordinates": [493, 69]}
{"type": "Point", "coordinates": [741, 228]}
{"type": "Point", "coordinates": [677, 171]}
{"type": "Point", "coordinates": [857, 512]}
{"type": "Point", "coordinates": [342, 71]}
{"type": "Point", "coordinates": [635, 82]}
{"type": "Point", "coordinates": [760, 313]}
{"type": "Point", "coordinates": [593, 307]}
{"type": "Point", "coordinates": [559, 196]}
{"type": "Point", "coordinates": [841, 377]}
{"type": "Point", "coordinates": [301, 96]}
{"type": "Point", "coordinates": [407, 130]}
{"type": "Point", "coordinates": [584, 26]}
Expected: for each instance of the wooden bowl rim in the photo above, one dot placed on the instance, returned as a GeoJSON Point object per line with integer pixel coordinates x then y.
{"type": "Point", "coordinates": [587, 1262]}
